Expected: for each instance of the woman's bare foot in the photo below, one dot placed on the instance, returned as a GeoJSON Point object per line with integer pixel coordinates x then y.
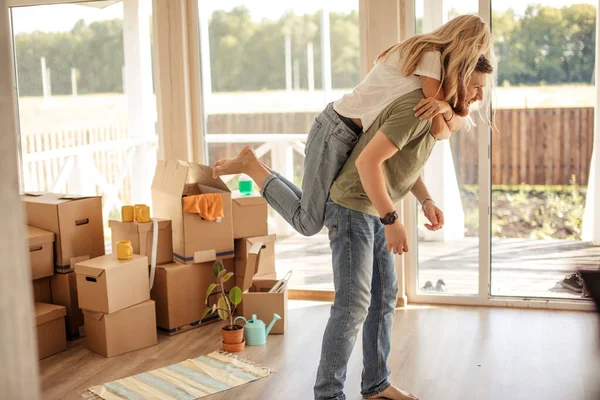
{"type": "Point", "coordinates": [219, 163]}
{"type": "Point", "coordinates": [241, 164]}
{"type": "Point", "coordinates": [394, 393]}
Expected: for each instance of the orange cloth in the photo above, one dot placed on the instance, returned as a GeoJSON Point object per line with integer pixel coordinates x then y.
{"type": "Point", "coordinates": [208, 206]}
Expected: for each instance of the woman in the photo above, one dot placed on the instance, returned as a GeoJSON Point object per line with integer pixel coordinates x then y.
{"type": "Point", "coordinates": [421, 62]}
{"type": "Point", "coordinates": [364, 231]}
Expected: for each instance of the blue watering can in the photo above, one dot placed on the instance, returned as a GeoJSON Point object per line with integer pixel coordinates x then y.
{"type": "Point", "coordinates": [255, 332]}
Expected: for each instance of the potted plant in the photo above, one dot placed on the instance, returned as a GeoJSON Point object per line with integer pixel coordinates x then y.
{"type": "Point", "coordinates": [233, 334]}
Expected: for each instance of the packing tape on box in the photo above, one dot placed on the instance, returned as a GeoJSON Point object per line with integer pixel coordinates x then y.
{"type": "Point", "coordinates": [154, 251]}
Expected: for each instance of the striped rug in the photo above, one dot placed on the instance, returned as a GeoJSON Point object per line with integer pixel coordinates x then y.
{"type": "Point", "coordinates": [191, 379]}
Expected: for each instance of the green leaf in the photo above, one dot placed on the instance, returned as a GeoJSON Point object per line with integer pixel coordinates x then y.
{"type": "Point", "coordinates": [223, 313]}
{"type": "Point", "coordinates": [235, 296]}
{"type": "Point", "coordinates": [227, 276]}
{"type": "Point", "coordinates": [207, 310]}
{"type": "Point", "coordinates": [214, 307]}
{"type": "Point", "coordinates": [217, 267]}
{"type": "Point", "coordinates": [209, 290]}
{"type": "Point", "coordinates": [222, 274]}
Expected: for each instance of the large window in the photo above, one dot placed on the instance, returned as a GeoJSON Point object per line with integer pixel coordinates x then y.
{"type": "Point", "coordinates": [85, 100]}
{"type": "Point", "coordinates": [542, 151]}
{"type": "Point", "coordinates": [268, 69]}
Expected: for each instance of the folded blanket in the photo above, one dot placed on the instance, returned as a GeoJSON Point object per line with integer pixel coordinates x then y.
{"type": "Point", "coordinates": [208, 206]}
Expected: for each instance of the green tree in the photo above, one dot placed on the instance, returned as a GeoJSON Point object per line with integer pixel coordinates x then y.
{"type": "Point", "coordinates": [95, 50]}
{"type": "Point", "coordinates": [546, 44]}
{"type": "Point", "coordinates": [553, 45]}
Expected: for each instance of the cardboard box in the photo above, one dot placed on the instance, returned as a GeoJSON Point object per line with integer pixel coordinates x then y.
{"type": "Point", "coordinates": [250, 216]}
{"type": "Point", "coordinates": [179, 291]}
{"type": "Point", "coordinates": [130, 329]}
{"type": "Point", "coordinates": [245, 268]}
{"type": "Point", "coordinates": [76, 222]}
{"type": "Point", "coordinates": [64, 293]}
{"type": "Point", "coordinates": [141, 234]}
{"type": "Point", "coordinates": [257, 301]}
{"type": "Point", "coordinates": [195, 240]}
{"type": "Point", "coordinates": [41, 290]}
{"type": "Point", "coordinates": [107, 284]}
{"type": "Point", "coordinates": [51, 337]}
{"type": "Point", "coordinates": [41, 252]}
{"type": "Point", "coordinates": [263, 247]}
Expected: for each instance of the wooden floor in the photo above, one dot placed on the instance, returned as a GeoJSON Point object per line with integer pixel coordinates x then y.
{"type": "Point", "coordinates": [441, 353]}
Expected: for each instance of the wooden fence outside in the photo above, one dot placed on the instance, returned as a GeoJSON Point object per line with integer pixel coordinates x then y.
{"type": "Point", "coordinates": [531, 146]}
{"type": "Point", "coordinates": [41, 175]}
{"type": "Point", "coordinates": [544, 146]}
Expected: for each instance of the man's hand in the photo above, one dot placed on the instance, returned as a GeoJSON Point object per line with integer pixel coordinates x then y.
{"type": "Point", "coordinates": [430, 107]}
{"type": "Point", "coordinates": [434, 215]}
{"type": "Point", "coordinates": [395, 237]}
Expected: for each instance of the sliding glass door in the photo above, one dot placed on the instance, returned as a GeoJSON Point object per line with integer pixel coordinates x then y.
{"type": "Point", "coordinates": [518, 216]}
{"type": "Point", "coordinates": [541, 154]}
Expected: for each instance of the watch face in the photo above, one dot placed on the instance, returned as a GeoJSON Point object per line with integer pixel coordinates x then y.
{"type": "Point", "coordinates": [390, 218]}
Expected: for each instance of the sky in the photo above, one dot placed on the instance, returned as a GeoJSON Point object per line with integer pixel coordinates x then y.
{"type": "Point", "coordinates": [52, 18]}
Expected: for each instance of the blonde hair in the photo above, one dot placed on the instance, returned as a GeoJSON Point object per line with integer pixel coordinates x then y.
{"type": "Point", "coordinates": [460, 41]}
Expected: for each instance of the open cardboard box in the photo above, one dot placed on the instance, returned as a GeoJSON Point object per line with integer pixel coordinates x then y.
{"type": "Point", "coordinates": [141, 236]}
{"type": "Point", "coordinates": [195, 240]}
{"type": "Point", "coordinates": [245, 268]}
{"type": "Point", "coordinates": [179, 291]}
{"type": "Point", "coordinates": [126, 330]}
{"type": "Point", "coordinates": [107, 284]}
{"type": "Point", "coordinates": [50, 323]}
{"type": "Point", "coordinates": [250, 216]}
{"type": "Point", "coordinates": [257, 300]}
{"type": "Point", "coordinates": [76, 222]}
{"type": "Point", "coordinates": [254, 258]}
{"type": "Point", "coordinates": [41, 252]}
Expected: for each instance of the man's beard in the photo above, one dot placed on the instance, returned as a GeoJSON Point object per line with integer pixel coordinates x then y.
{"type": "Point", "coordinates": [462, 107]}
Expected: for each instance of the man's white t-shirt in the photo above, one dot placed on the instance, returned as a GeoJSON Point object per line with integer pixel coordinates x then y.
{"type": "Point", "coordinates": [383, 84]}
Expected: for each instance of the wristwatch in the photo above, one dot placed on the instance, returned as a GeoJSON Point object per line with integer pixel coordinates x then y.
{"type": "Point", "coordinates": [389, 218]}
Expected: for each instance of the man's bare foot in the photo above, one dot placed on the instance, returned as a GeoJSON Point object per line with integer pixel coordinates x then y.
{"type": "Point", "coordinates": [241, 164]}
{"type": "Point", "coordinates": [394, 393]}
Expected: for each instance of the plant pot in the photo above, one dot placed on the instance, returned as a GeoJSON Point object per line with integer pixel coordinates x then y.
{"type": "Point", "coordinates": [235, 336]}
{"type": "Point", "coordinates": [234, 348]}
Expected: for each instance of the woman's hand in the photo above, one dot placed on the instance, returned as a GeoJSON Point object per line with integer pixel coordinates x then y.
{"type": "Point", "coordinates": [430, 107]}
{"type": "Point", "coordinates": [434, 215]}
{"type": "Point", "coordinates": [395, 237]}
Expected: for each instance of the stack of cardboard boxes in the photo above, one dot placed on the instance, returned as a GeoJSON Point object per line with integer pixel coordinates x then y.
{"type": "Point", "coordinates": [110, 300]}
{"type": "Point", "coordinates": [255, 274]}
{"type": "Point", "coordinates": [62, 230]}
{"type": "Point", "coordinates": [179, 288]}
{"type": "Point", "coordinates": [115, 297]}
{"type": "Point", "coordinates": [49, 318]}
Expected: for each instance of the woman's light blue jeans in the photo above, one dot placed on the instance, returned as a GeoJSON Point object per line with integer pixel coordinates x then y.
{"type": "Point", "coordinates": [328, 146]}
